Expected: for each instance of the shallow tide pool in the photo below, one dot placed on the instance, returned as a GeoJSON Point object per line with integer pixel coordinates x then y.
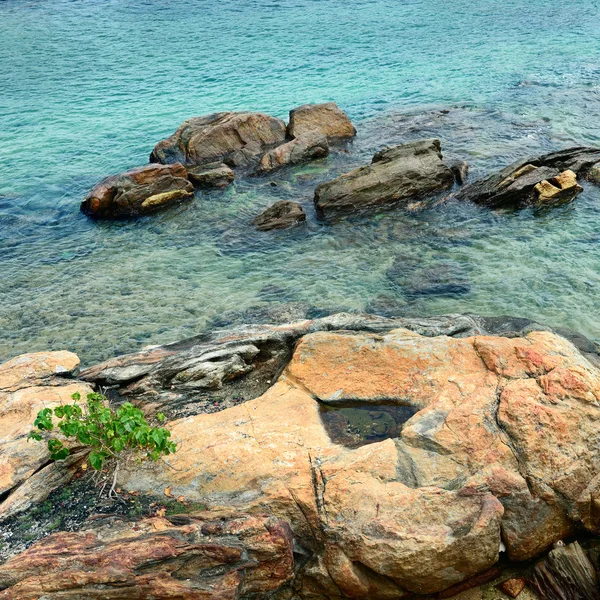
{"type": "Point", "coordinates": [88, 87]}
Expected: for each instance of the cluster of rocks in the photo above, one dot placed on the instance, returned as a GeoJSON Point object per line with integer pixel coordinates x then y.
{"type": "Point", "coordinates": [205, 152]}
{"type": "Point", "coordinates": [500, 452]}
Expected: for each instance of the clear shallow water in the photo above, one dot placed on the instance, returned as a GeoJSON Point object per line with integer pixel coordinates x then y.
{"type": "Point", "coordinates": [88, 87]}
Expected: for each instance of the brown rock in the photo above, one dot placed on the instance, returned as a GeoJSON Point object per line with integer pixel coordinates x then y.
{"type": "Point", "coordinates": [214, 175]}
{"type": "Point", "coordinates": [400, 173]}
{"type": "Point", "coordinates": [139, 191]}
{"type": "Point", "coordinates": [281, 215]}
{"type": "Point", "coordinates": [562, 188]}
{"type": "Point", "coordinates": [235, 138]}
{"type": "Point", "coordinates": [324, 119]}
{"type": "Point", "coordinates": [512, 587]}
{"type": "Point", "coordinates": [29, 383]}
{"type": "Point", "coordinates": [309, 146]}
{"type": "Point", "coordinates": [233, 557]}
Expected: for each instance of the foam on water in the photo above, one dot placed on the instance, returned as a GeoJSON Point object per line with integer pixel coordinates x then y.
{"type": "Point", "coordinates": [88, 87]}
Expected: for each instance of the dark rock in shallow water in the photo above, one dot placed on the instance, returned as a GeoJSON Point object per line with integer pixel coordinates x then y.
{"type": "Point", "coordinates": [235, 138]}
{"type": "Point", "coordinates": [212, 175]}
{"type": "Point", "coordinates": [281, 215]}
{"type": "Point", "coordinates": [139, 191]}
{"type": "Point", "coordinates": [514, 185]}
{"type": "Point", "coordinates": [323, 119]}
{"type": "Point", "coordinates": [438, 279]}
{"type": "Point", "coordinates": [395, 174]}
{"type": "Point", "coordinates": [303, 149]}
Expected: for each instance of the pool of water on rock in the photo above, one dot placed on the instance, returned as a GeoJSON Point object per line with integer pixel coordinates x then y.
{"type": "Point", "coordinates": [355, 426]}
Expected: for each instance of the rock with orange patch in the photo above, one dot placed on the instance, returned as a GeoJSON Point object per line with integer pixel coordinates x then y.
{"type": "Point", "coordinates": [191, 558]}
{"type": "Point", "coordinates": [29, 383]}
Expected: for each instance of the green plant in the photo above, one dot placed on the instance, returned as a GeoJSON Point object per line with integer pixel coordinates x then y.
{"type": "Point", "coordinates": [108, 433]}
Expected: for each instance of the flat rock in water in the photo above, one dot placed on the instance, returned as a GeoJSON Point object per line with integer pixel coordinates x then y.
{"type": "Point", "coordinates": [238, 139]}
{"type": "Point", "coordinates": [405, 172]}
{"type": "Point", "coordinates": [139, 191]}
{"type": "Point", "coordinates": [281, 215]}
{"type": "Point", "coordinates": [322, 119]}
{"type": "Point", "coordinates": [514, 185]}
{"type": "Point", "coordinates": [212, 175]}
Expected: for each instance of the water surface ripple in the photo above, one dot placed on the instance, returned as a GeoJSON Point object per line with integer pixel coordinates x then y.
{"type": "Point", "coordinates": [88, 86]}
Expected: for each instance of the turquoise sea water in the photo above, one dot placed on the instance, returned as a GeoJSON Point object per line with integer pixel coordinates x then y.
{"type": "Point", "coordinates": [87, 87]}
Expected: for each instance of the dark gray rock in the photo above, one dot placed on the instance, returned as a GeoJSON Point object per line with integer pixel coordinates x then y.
{"type": "Point", "coordinates": [460, 169]}
{"type": "Point", "coordinates": [400, 173]}
{"type": "Point", "coordinates": [514, 185]}
{"type": "Point", "coordinates": [281, 215]}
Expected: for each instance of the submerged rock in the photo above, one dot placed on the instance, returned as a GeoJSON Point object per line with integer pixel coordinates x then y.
{"type": "Point", "coordinates": [281, 215]}
{"type": "Point", "coordinates": [321, 119]}
{"type": "Point", "coordinates": [138, 191]}
{"type": "Point", "coordinates": [198, 557]}
{"type": "Point", "coordinates": [28, 384]}
{"type": "Point", "coordinates": [212, 175]}
{"type": "Point", "coordinates": [305, 148]}
{"type": "Point", "coordinates": [514, 185]}
{"type": "Point", "coordinates": [400, 173]}
{"type": "Point", "coordinates": [235, 138]}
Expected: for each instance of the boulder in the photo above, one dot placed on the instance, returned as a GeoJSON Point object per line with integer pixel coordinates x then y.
{"type": "Point", "coordinates": [514, 186]}
{"type": "Point", "coordinates": [213, 175]}
{"type": "Point", "coordinates": [324, 119]}
{"type": "Point", "coordinates": [460, 169]}
{"type": "Point", "coordinates": [501, 450]}
{"type": "Point", "coordinates": [400, 173]}
{"type": "Point", "coordinates": [138, 191]}
{"type": "Point", "coordinates": [305, 148]}
{"type": "Point", "coordinates": [199, 557]}
{"type": "Point", "coordinates": [562, 188]}
{"type": "Point", "coordinates": [281, 215]}
{"type": "Point", "coordinates": [29, 383]}
{"type": "Point", "coordinates": [238, 139]}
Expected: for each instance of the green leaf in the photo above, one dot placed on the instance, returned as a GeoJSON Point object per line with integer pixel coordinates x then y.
{"type": "Point", "coordinates": [76, 396]}
{"type": "Point", "coordinates": [96, 460]}
{"type": "Point", "coordinates": [161, 417]}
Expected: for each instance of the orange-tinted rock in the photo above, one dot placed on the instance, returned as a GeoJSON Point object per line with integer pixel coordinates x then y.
{"type": "Point", "coordinates": [512, 587]}
{"type": "Point", "coordinates": [323, 119]}
{"type": "Point", "coordinates": [203, 559]}
{"type": "Point", "coordinates": [235, 138]}
{"type": "Point", "coordinates": [29, 383]}
{"type": "Point", "coordinates": [138, 191]}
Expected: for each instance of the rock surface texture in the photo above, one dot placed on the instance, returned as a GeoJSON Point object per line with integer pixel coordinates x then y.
{"type": "Point", "coordinates": [29, 383]}
{"type": "Point", "coordinates": [138, 191]}
{"type": "Point", "coordinates": [299, 150]}
{"type": "Point", "coordinates": [400, 173]}
{"type": "Point", "coordinates": [515, 185]}
{"type": "Point", "coordinates": [212, 175]}
{"type": "Point", "coordinates": [236, 138]}
{"type": "Point", "coordinates": [186, 558]}
{"type": "Point", "coordinates": [503, 446]}
{"type": "Point", "coordinates": [323, 119]}
{"type": "Point", "coordinates": [281, 215]}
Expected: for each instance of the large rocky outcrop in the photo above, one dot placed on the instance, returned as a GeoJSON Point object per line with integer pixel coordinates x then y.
{"type": "Point", "coordinates": [321, 119]}
{"type": "Point", "coordinates": [201, 557]}
{"type": "Point", "coordinates": [29, 383]}
{"type": "Point", "coordinates": [400, 173]}
{"type": "Point", "coordinates": [515, 185]}
{"type": "Point", "coordinates": [238, 139]}
{"type": "Point", "coordinates": [138, 191]}
{"type": "Point", "coordinates": [502, 445]}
